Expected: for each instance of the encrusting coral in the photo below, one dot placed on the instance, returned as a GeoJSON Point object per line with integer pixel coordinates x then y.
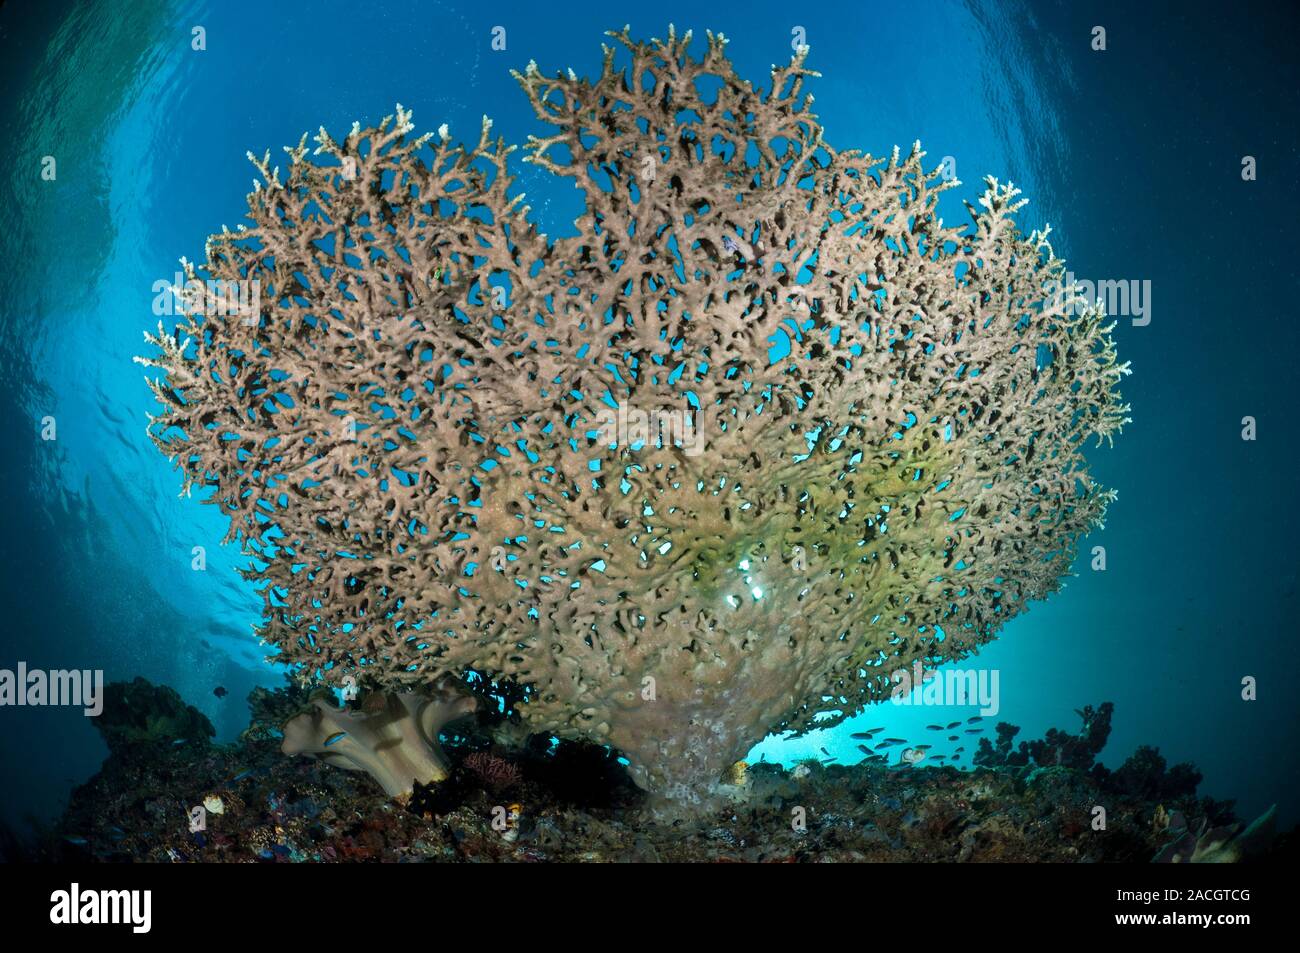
{"type": "Point", "coordinates": [393, 738]}
{"type": "Point", "coordinates": [878, 418]}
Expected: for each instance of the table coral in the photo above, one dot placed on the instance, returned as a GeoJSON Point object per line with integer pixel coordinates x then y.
{"type": "Point", "coordinates": [880, 418]}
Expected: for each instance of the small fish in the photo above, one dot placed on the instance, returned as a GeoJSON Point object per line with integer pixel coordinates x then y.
{"type": "Point", "coordinates": [952, 725]}
{"type": "Point", "coordinates": [934, 728]}
{"type": "Point", "coordinates": [864, 749]}
{"type": "Point", "coordinates": [974, 731]}
{"type": "Point", "coordinates": [825, 752]}
{"type": "Point", "coordinates": [220, 692]}
{"type": "Point", "coordinates": [868, 733]}
{"type": "Point", "coordinates": [896, 741]}
{"type": "Point", "coordinates": [953, 737]}
{"type": "Point", "coordinates": [975, 720]}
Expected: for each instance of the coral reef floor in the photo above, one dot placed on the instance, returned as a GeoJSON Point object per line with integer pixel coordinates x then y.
{"type": "Point", "coordinates": [564, 803]}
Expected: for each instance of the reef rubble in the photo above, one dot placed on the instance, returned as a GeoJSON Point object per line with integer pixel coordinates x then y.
{"type": "Point", "coordinates": [560, 801]}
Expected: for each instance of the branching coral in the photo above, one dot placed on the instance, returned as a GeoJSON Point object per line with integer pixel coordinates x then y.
{"type": "Point", "coordinates": [880, 418]}
{"type": "Point", "coordinates": [494, 772]}
{"type": "Point", "coordinates": [1057, 747]}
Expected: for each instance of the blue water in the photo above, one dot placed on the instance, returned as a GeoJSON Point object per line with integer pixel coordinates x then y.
{"type": "Point", "coordinates": [1133, 155]}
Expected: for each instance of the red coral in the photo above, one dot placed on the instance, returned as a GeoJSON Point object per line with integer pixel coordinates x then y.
{"type": "Point", "coordinates": [495, 772]}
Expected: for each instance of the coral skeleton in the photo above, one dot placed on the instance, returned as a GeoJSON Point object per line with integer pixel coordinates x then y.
{"type": "Point", "coordinates": [394, 738]}
{"type": "Point", "coordinates": [890, 412]}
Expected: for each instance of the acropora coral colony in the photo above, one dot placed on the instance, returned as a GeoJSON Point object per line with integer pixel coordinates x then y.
{"type": "Point", "coordinates": [410, 433]}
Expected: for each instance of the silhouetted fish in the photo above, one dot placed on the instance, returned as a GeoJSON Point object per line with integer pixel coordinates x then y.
{"type": "Point", "coordinates": [220, 692]}
{"type": "Point", "coordinates": [977, 718]}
